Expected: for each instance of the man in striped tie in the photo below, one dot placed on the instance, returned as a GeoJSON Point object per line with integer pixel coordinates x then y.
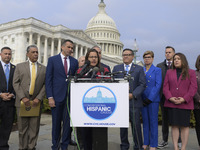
{"type": "Point", "coordinates": [7, 97]}
{"type": "Point", "coordinates": [29, 85]}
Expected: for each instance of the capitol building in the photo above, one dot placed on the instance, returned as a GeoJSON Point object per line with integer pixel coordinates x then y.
{"type": "Point", "coordinates": [101, 30]}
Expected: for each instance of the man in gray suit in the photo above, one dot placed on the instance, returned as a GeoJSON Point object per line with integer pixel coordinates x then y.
{"type": "Point", "coordinates": [29, 85]}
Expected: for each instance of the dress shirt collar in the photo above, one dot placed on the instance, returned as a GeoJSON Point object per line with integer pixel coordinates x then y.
{"type": "Point", "coordinates": [3, 65]}
{"type": "Point", "coordinates": [62, 56]}
{"type": "Point", "coordinates": [167, 62]}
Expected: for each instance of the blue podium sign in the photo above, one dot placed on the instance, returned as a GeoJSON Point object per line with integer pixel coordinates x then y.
{"type": "Point", "coordinates": [99, 104]}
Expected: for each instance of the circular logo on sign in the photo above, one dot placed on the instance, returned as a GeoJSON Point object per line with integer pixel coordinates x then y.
{"type": "Point", "coordinates": [99, 102]}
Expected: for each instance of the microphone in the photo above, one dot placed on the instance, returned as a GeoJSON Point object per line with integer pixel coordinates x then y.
{"type": "Point", "coordinates": [101, 70]}
{"type": "Point", "coordinates": [82, 72]}
{"type": "Point", "coordinates": [94, 71]}
{"type": "Point", "coordinates": [118, 72]}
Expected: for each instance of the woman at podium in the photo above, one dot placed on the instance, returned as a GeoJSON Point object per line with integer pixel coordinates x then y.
{"type": "Point", "coordinates": [94, 138]}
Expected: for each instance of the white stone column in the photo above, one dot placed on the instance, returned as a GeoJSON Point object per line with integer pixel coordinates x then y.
{"type": "Point", "coordinates": [20, 52]}
{"type": "Point", "coordinates": [103, 49]}
{"type": "Point", "coordinates": [114, 49]}
{"type": "Point", "coordinates": [30, 38]}
{"type": "Point", "coordinates": [81, 54]}
{"type": "Point", "coordinates": [85, 51]}
{"type": "Point", "coordinates": [9, 39]}
{"type": "Point", "coordinates": [59, 46]}
{"type": "Point", "coordinates": [76, 51]}
{"type": "Point", "coordinates": [45, 51]}
{"type": "Point", "coordinates": [39, 49]}
{"type": "Point", "coordinates": [117, 49]}
{"type": "Point", "coordinates": [52, 47]}
{"type": "Point", "coordinates": [106, 48]}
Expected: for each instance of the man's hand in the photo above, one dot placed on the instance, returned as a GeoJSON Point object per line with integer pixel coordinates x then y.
{"type": "Point", "coordinates": [11, 95]}
{"type": "Point", "coordinates": [26, 101]}
{"type": "Point", "coordinates": [52, 102]}
{"type": "Point", "coordinates": [5, 96]}
{"type": "Point", "coordinates": [35, 102]}
{"type": "Point", "coordinates": [130, 96]}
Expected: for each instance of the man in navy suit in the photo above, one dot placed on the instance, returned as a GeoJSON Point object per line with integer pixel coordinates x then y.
{"type": "Point", "coordinates": [137, 84]}
{"type": "Point", "coordinates": [59, 67]}
{"type": "Point", "coordinates": [7, 97]}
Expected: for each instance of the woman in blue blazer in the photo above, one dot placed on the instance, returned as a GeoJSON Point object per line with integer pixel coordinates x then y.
{"type": "Point", "coordinates": [151, 99]}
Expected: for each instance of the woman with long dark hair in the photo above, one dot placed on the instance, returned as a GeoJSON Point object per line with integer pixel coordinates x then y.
{"type": "Point", "coordinates": [89, 134]}
{"type": "Point", "coordinates": [179, 89]}
{"type": "Point", "coordinates": [197, 100]}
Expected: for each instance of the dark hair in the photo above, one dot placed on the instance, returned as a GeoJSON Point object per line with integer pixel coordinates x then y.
{"type": "Point", "coordinates": [128, 49]}
{"type": "Point", "coordinates": [170, 47]}
{"type": "Point", "coordinates": [88, 53]}
{"type": "Point", "coordinates": [65, 41]}
{"type": "Point", "coordinates": [197, 64]}
{"type": "Point", "coordinates": [31, 46]}
{"type": "Point", "coordinates": [5, 48]}
{"type": "Point", "coordinates": [184, 65]}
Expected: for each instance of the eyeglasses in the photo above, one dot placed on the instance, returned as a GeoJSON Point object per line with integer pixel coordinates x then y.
{"type": "Point", "coordinates": [147, 57]}
{"type": "Point", "coordinates": [93, 57]}
{"type": "Point", "coordinates": [126, 55]}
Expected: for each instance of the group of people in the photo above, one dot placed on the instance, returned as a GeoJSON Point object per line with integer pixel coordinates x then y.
{"type": "Point", "coordinates": [172, 84]}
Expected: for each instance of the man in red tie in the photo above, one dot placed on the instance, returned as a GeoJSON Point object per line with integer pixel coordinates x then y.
{"type": "Point", "coordinates": [59, 67]}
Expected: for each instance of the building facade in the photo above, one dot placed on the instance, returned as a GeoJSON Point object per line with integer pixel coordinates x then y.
{"type": "Point", "coordinates": [19, 34]}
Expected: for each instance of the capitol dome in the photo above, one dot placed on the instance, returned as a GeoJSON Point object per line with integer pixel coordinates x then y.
{"type": "Point", "coordinates": [101, 19]}
{"type": "Point", "coordinates": [103, 30]}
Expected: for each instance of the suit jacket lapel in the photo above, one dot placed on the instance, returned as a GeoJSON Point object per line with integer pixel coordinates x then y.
{"type": "Point", "coordinates": [60, 64]}
{"type": "Point", "coordinates": [132, 69]}
{"type": "Point", "coordinates": [38, 69]}
{"type": "Point", "coordinates": [174, 74]}
{"type": "Point", "coordinates": [3, 77]}
{"type": "Point", "coordinates": [27, 68]}
{"type": "Point", "coordinates": [151, 69]}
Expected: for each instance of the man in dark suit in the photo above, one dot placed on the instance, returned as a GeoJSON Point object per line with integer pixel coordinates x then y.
{"type": "Point", "coordinates": [59, 67]}
{"type": "Point", "coordinates": [165, 65]}
{"type": "Point", "coordinates": [29, 85]}
{"type": "Point", "coordinates": [136, 86]}
{"type": "Point", "coordinates": [7, 97]}
{"type": "Point", "coordinates": [98, 49]}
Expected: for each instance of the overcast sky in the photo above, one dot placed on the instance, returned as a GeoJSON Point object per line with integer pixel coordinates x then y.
{"type": "Point", "coordinates": [154, 23]}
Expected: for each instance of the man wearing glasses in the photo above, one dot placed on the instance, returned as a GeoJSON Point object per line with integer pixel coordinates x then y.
{"type": "Point", "coordinates": [136, 87]}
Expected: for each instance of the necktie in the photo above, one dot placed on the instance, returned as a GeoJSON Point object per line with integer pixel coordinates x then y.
{"type": "Point", "coordinates": [33, 77]}
{"type": "Point", "coordinates": [65, 65]}
{"type": "Point", "coordinates": [7, 72]}
{"type": "Point", "coordinates": [127, 70]}
{"type": "Point", "coordinates": [169, 64]}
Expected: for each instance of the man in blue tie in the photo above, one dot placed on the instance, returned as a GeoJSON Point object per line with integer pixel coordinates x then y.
{"type": "Point", "coordinates": [137, 84]}
{"type": "Point", "coordinates": [7, 97]}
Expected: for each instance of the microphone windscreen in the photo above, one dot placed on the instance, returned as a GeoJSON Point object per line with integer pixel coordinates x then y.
{"type": "Point", "coordinates": [87, 62]}
{"type": "Point", "coordinates": [95, 69]}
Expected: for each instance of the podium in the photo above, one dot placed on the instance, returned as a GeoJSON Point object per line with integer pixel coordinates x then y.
{"type": "Point", "coordinates": [99, 104]}
{"type": "Point", "coordinates": [96, 105]}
